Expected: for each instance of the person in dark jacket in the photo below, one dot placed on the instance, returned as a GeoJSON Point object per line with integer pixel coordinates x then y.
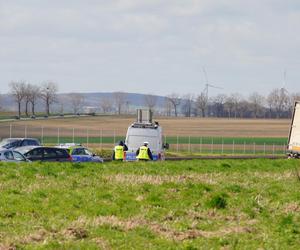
{"type": "Point", "coordinates": [118, 152]}
{"type": "Point", "coordinates": [144, 153]}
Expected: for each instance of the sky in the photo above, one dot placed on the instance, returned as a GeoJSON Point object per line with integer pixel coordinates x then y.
{"type": "Point", "coordinates": [151, 46]}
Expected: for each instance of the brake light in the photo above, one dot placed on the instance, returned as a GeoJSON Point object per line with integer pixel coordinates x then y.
{"type": "Point", "coordinates": [70, 158]}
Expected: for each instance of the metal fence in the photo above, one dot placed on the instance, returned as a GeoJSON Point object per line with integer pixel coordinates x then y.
{"type": "Point", "coordinates": [106, 139]}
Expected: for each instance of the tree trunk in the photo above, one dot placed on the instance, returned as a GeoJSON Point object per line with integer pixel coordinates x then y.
{"type": "Point", "coordinates": [19, 109]}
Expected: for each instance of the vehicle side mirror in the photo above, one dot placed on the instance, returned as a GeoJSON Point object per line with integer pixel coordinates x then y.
{"type": "Point", "coordinates": [93, 154]}
{"type": "Point", "coordinates": [166, 146]}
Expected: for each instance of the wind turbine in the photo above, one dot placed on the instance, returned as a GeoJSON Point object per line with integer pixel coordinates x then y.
{"type": "Point", "coordinates": [208, 85]}
{"type": "Point", "coordinates": [283, 90]}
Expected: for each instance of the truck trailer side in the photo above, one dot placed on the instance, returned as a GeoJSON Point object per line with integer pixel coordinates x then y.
{"type": "Point", "coordinates": [294, 136]}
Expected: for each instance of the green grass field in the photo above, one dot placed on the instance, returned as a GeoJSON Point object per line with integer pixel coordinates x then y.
{"type": "Point", "coordinates": [174, 140]}
{"type": "Point", "coordinates": [220, 204]}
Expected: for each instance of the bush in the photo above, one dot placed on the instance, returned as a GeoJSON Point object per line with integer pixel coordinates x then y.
{"type": "Point", "coordinates": [218, 201]}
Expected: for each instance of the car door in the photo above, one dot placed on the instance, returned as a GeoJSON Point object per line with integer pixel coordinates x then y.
{"type": "Point", "coordinates": [18, 156]}
{"type": "Point", "coordinates": [8, 155]}
{"type": "Point", "coordinates": [35, 154]}
{"type": "Point", "coordinates": [50, 155]}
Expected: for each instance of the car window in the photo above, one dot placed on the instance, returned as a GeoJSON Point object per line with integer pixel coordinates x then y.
{"type": "Point", "coordinates": [49, 153]}
{"type": "Point", "coordinates": [88, 152]}
{"type": "Point", "coordinates": [18, 156]}
{"type": "Point", "coordinates": [61, 153]}
{"type": "Point", "coordinates": [36, 153]}
{"type": "Point", "coordinates": [78, 151]}
{"type": "Point", "coordinates": [8, 155]}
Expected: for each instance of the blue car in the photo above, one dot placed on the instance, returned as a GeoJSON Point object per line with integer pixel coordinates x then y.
{"type": "Point", "coordinates": [80, 153]}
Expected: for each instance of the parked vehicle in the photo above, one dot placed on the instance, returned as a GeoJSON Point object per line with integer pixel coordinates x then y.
{"type": "Point", "coordinates": [10, 143]}
{"type": "Point", "coordinates": [293, 147]}
{"type": "Point", "coordinates": [145, 130]}
{"type": "Point", "coordinates": [80, 153]}
{"type": "Point", "coordinates": [9, 155]}
{"type": "Point", "coordinates": [39, 153]}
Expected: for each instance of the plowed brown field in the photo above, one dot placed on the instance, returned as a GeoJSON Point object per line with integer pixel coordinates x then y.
{"type": "Point", "coordinates": [172, 126]}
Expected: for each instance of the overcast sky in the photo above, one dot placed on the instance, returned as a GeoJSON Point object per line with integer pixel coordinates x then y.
{"type": "Point", "coordinates": [151, 46]}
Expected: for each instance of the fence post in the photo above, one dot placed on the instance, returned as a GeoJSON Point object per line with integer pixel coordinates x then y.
{"type": "Point", "coordinates": [177, 146]}
{"type": "Point", "coordinates": [273, 148]}
{"type": "Point", "coordinates": [189, 143]}
{"type": "Point", "coordinates": [73, 135]}
{"type": "Point", "coordinates": [222, 146]}
{"type": "Point", "coordinates": [10, 130]}
{"type": "Point", "coordinates": [25, 132]}
{"type": "Point", "coordinates": [284, 149]}
{"type": "Point", "coordinates": [244, 147]}
{"type": "Point", "coordinates": [200, 147]}
{"type": "Point", "coordinates": [264, 148]}
{"type": "Point", "coordinates": [254, 151]}
{"type": "Point", "coordinates": [42, 136]}
{"type": "Point", "coordinates": [114, 137]}
{"type": "Point", "coordinates": [87, 137]}
{"type": "Point", "coordinates": [58, 136]}
{"type": "Point", "coordinates": [212, 146]}
{"type": "Point", "coordinates": [233, 147]}
{"type": "Point", "coordinates": [101, 139]}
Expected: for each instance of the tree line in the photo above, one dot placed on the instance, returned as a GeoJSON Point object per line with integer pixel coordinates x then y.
{"type": "Point", "coordinates": [278, 103]}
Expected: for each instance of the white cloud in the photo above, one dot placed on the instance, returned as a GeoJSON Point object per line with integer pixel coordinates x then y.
{"type": "Point", "coordinates": [149, 42]}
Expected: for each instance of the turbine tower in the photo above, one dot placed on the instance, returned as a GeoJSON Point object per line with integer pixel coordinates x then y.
{"type": "Point", "coordinates": [207, 84]}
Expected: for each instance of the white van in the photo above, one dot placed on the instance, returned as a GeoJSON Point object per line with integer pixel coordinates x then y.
{"type": "Point", "coordinates": [144, 130]}
{"type": "Point", "coordinates": [294, 136]}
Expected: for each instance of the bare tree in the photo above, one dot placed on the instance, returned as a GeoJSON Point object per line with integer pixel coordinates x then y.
{"type": "Point", "coordinates": [278, 99]}
{"type": "Point", "coordinates": [167, 107]}
{"type": "Point", "coordinates": [201, 104]}
{"type": "Point", "coordinates": [218, 104]}
{"type": "Point", "coordinates": [106, 104]}
{"type": "Point", "coordinates": [77, 101]}
{"type": "Point", "coordinates": [120, 100]}
{"type": "Point", "coordinates": [257, 101]}
{"type": "Point", "coordinates": [175, 100]}
{"type": "Point", "coordinates": [49, 94]}
{"type": "Point", "coordinates": [232, 103]}
{"type": "Point", "coordinates": [17, 90]}
{"type": "Point", "coordinates": [187, 104]}
{"type": "Point", "coordinates": [27, 97]}
{"type": "Point", "coordinates": [34, 92]}
{"type": "Point", "coordinates": [150, 101]}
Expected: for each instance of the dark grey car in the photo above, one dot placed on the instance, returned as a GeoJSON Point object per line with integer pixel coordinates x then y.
{"type": "Point", "coordinates": [39, 153]}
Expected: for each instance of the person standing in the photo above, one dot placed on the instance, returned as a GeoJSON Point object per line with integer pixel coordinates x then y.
{"type": "Point", "coordinates": [118, 153]}
{"type": "Point", "coordinates": [144, 153]}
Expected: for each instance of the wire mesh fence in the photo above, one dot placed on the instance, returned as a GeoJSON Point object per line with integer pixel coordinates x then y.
{"type": "Point", "coordinates": [106, 139]}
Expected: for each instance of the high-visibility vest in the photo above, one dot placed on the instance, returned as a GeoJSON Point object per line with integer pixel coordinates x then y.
{"type": "Point", "coordinates": [143, 153]}
{"type": "Point", "coordinates": [119, 152]}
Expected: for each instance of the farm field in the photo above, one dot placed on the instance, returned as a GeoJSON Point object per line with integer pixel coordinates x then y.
{"type": "Point", "coordinates": [194, 127]}
{"type": "Point", "coordinates": [219, 204]}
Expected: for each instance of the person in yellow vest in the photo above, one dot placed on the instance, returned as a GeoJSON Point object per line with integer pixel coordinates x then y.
{"type": "Point", "coordinates": [144, 153]}
{"type": "Point", "coordinates": [118, 153]}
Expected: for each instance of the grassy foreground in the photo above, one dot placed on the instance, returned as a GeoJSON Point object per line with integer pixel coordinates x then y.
{"type": "Point", "coordinates": [218, 204]}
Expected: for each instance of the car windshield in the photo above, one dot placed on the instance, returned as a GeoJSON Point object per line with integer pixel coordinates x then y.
{"type": "Point", "coordinates": [8, 143]}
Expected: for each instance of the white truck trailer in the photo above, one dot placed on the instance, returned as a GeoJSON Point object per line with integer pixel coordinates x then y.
{"type": "Point", "coordinates": [144, 130]}
{"type": "Point", "coordinates": [294, 136]}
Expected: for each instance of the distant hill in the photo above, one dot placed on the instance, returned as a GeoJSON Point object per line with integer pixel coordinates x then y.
{"type": "Point", "coordinates": [134, 100]}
